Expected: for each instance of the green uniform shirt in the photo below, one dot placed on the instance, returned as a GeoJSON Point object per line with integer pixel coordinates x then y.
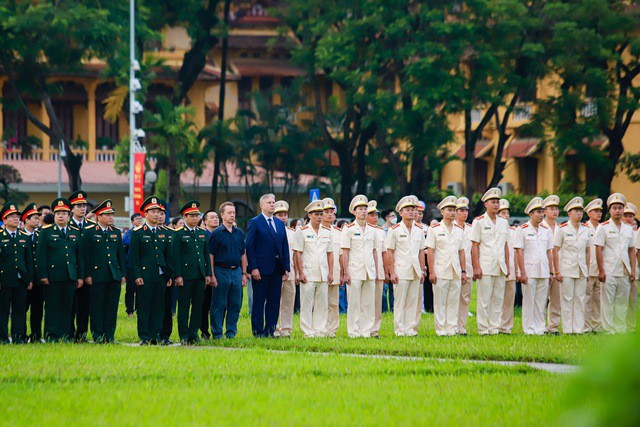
{"type": "Point", "coordinates": [149, 253]}
{"type": "Point", "coordinates": [189, 254]}
{"type": "Point", "coordinates": [16, 260]}
{"type": "Point", "coordinates": [103, 251]}
{"type": "Point", "coordinates": [58, 257]}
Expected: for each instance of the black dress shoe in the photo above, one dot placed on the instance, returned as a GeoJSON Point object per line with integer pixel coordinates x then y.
{"type": "Point", "coordinates": [153, 342]}
{"type": "Point", "coordinates": [144, 342]}
{"type": "Point", "coordinates": [167, 342]}
{"type": "Point", "coordinates": [205, 336]}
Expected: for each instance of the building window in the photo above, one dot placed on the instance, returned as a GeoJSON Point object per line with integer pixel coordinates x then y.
{"type": "Point", "coordinates": [244, 93]}
{"type": "Point", "coordinates": [529, 175]}
{"type": "Point", "coordinates": [64, 112]}
{"type": "Point", "coordinates": [106, 132]}
{"type": "Point", "coordinates": [480, 171]}
{"type": "Point", "coordinates": [266, 84]}
{"type": "Point", "coordinates": [14, 127]}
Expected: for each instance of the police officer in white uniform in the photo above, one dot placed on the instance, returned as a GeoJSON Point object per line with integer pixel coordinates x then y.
{"type": "Point", "coordinates": [571, 255]}
{"type": "Point", "coordinates": [490, 256]}
{"type": "Point", "coordinates": [533, 244]}
{"type": "Point", "coordinates": [445, 255]}
{"type": "Point", "coordinates": [616, 265]}
{"type": "Point", "coordinates": [462, 213]}
{"type": "Point", "coordinates": [592, 314]}
{"type": "Point", "coordinates": [372, 221]}
{"type": "Point", "coordinates": [629, 216]}
{"type": "Point", "coordinates": [506, 324]}
{"type": "Point", "coordinates": [551, 206]}
{"type": "Point", "coordinates": [333, 312]}
{"type": "Point", "coordinates": [405, 251]}
{"type": "Point", "coordinates": [358, 243]}
{"type": "Point", "coordinates": [313, 254]}
{"type": "Point", "coordinates": [288, 294]}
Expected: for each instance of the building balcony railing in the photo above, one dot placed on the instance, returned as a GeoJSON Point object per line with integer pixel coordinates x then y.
{"type": "Point", "coordinates": [17, 154]}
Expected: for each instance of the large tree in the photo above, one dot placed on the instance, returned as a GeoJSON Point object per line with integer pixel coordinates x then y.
{"type": "Point", "coordinates": [46, 39]}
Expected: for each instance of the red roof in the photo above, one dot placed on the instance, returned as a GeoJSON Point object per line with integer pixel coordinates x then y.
{"type": "Point", "coordinates": [267, 68]}
{"type": "Point", "coordinates": [521, 148]}
{"type": "Point", "coordinates": [483, 147]}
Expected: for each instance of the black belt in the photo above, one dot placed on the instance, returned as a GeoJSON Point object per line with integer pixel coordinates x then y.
{"type": "Point", "coordinates": [227, 266]}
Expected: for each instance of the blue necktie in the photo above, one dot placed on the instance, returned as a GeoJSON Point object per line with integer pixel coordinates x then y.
{"type": "Point", "coordinates": [273, 226]}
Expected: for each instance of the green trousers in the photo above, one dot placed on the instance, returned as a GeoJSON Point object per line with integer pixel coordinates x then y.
{"type": "Point", "coordinates": [190, 296]}
{"type": "Point", "coordinates": [58, 309]}
{"type": "Point", "coordinates": [13, 302]}
{"type": "Point", "coordinates": [150, 309]}
{"type": "Point", "coordinates": [105, 298]}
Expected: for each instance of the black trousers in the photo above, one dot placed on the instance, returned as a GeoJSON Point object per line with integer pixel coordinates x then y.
{"type": "Point", "coordinates": [151, 297]}
{"type": "Point", "coordinates": [105, 298]}
{"type": "Point", "coordinates": [206, 308]}
{"type": "Point", "coordinates": [167, 315]}
{"type": "Point", "coordinates": [79, 325]}
{"type": "Point", "coordinates": [35, 307]}
{"type": "Point", "coordinates": [130, 300]}
{"type": "Point", "coordinates": [12, 300]}
{"type": "Point", "coordinates": [266, 305]}
{"type": "Point", "coordinates": [190, 308]}
{"type": "Point", "coordinates": [58, 309]}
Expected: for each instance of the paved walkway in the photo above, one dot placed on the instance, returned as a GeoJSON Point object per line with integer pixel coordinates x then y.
{"type": "Point", "coordinates": [555, 368]}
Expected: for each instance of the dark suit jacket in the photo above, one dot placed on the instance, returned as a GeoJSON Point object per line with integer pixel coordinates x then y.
{"type": "Point", "coordinates": [266, 250]}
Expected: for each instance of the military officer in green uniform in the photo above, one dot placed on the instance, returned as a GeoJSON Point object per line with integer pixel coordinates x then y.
{"type": "Point", "coordinates": [171, 293]}
{"type": "Point", "coordinates": [79, 325]}
{"type": "Point", "coordinates": [60, 268]}
{"type": "Point", "coordinates": [191, 271]}
{"type": "Point", "coordinates": [16, 267]}
{"type": "Point", "coordinates": [149, 254]}
{"type": "Point", "coordinates": [104, 270]}
{"type": "Point", "coordinates": [35, 296]}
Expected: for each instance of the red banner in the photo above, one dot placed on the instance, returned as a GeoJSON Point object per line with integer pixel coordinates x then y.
{"type": "Point", "coordinates": [138, 181]}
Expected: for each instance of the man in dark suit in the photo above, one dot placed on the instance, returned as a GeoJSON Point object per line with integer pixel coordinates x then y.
{"type": "Point", "coordinates": [269, 264]}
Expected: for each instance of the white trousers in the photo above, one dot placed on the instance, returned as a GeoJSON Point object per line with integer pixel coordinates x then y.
{"type": "Point", "coordinates": [614, 303]}
{"type": "Point", "coordinates": [592, 313]}
{"type": "Point", "coordinates": [463, 310]}
{"type": "Point", "coordinates": [632, 313]}
{"type": "Point", "coordinates": [446, 304]}
{"type": "Point", "coordinates": [287, 301]}
{"type": "Point", "coordinates": [506, 324]}
{"type": "Point", "coordinates": [534, 305]}
{"type": "Point", "coordinates": [333, 312]}
{"type": "Point", "coordinates": [490, 297]}
{"type": "Point", "coordinates": [378, 308]}
{"type": "Point", "coordinates": [314, 303]}
{"type": "Point", "coordinates": [573, 292]}
{"type": "Point", "coordinates": [361, 295]}
{"type": "Point", "coordinates": [419, 307]}
{"type": "Point", "coordinates": [406, 294]}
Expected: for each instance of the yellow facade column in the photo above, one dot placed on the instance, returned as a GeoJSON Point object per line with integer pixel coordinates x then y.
{"type": "Point", "coordinates": [91, 119]}
{"type": "Point", "coordinates": [44, 118]}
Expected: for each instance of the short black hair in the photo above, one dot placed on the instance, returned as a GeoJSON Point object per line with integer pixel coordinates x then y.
{"type": "Point", "coordinates": [175, 220]}
{"type": "Point", "coordinates": [341, 223]}
{"type": "Point", "coordinates": [385, 213]}
{"type": "Point", "coordinates": [135, 215]}
{"type": "Point", "coordinates": [43, 207]}
{"type": "Point", "coordinates": [48, 218]}
{"type": "Point", "coordinates": [207, 213]}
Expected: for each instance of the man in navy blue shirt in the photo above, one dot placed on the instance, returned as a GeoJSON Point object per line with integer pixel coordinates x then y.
{"type": "Point", "coordinates": [210, 222]}
{"type": "Point", "coordinates": [229, 260]}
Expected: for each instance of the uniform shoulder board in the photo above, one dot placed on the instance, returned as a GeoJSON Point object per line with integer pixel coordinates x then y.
{"type": "Point", "coordinates": [46, 226]}
{"type": "Point", "coordinates": [458, 225]}
{"type": "Point", "coordinates": [292, 229]}
{"type": "Point", "coordinates": [605, 223]}
{"type": "Point", "coordinates": [89, 224]}
{"type": "Point", "coordinates": [90, 220]}
{"type": "Point", "coordinates": [73, 227]}
{"type": "Point", "coordinates": [302, 228]}
{"type": "Point", "coordinates": [113, 227]}
{"type": "Point", "coordinates": [178, 229]}
{"type": "Point", "coordinates": [584, 224]}
{"type": "Point", "coordinates": [138, 227]}
{"type": "Point", "coordinates": [542, 224]}
{"type": "Point", "coordinates": [436, 225]}
{"type": "Point", "coordinates": [419, 224]}
{"type": "Point", "coordinates": [351, 225]}
{"type": "Point", "coordinates": [397, 225]}
{"type": "Point", "coordinates": [564, 224]}
{"type": "Point", "coordinates": [24, 232]}
{"type": "Point", "coordinates": [377, 226]}
{"type": "Point", "coordinates": [525, 225]}
{"type": "Point", "coordinates": [479, 217]}
{"type": "Point", "coordinates": [325, 227]}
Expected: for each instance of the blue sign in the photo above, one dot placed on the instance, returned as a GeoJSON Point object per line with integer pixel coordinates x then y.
{"type": "Point", "coordinates": [314, 194]}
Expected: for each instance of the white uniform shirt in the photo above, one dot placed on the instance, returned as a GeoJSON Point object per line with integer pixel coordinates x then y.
{"type": "Point", "coordinates": [361, 244]}
{"type": "Point", "coordinates": [615, 244]}
{"type": "Point", "coordinates": [336, 233]}
{"type": "Point", "coordinates": [492, 238]}
{"type": "Point", "coordinates": [512, 254]}
{"type": "Point", "coordinates": [291, 233]}
{"type": "Point", "coordinates": [446, 244]}
{"type": "Point", "coordinates": [466, 245]}
{"type": "Point", "coordinates": [380, 248]}
{"type": "Point", "coordinates": [573, 244]}
{"type": "Point", "coordinates": [593, 264]}
{"type": "Point", "coordinates": [535, 245]}
{"type": "Point", "coordinates": [313, 248]}
{"type": "Point", "coordinates": [407, 247]}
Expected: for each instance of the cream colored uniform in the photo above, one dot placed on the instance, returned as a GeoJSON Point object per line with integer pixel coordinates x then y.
{"type": "Point", "coordinates": [313, 248]}
{"type": "Point", "coordinates": [615, 292]}
{"type": "Point", "coordinates": [632, 313]}
{"type": "Point", "coordinates": [573, 244]}
{"type": "Point", "coordinates": [446, 244]}
{"type": "Point", "coordinates": [362, 270]}
{"type": "Point", "coordinates": [407, 247]}
{"type": "Point", "coordinates": [554, 310]}
{"type": "Point", "coordinates": [467, 288]}
{"type": "Point", "coordinates": [492, 238]}
{"type": "Point", "coordinates": [592, 314]}
{"type": "Point", "coordinates": [288, 295]}
{"type": "Point", "coordinates": [380, 249]}
{"type": "Point", "coordinates": [333, 314]}
{"type": "Point", "coordinates": [535, 245]}
{"type": "Point", "coordinates": [506, 324]}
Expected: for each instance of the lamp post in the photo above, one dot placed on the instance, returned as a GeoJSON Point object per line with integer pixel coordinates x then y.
{"type": "Point", "coordinates": [134, 106]}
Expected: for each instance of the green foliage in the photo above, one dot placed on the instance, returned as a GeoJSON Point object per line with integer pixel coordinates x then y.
{"type": "Point", "coordinates": [10, 176]}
